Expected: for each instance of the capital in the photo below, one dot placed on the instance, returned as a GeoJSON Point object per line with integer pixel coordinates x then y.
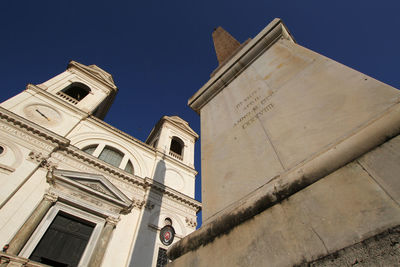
{"type": "Point", "coordinates": [50, 197]}
{"type": "Point", "coordinates": [112, 221]}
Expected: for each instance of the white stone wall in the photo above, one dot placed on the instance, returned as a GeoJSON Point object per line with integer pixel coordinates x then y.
{"type": "Point", "coordinates": [28, 157]}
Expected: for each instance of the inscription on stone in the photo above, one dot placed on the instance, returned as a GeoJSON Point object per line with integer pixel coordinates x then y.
{"type": "Point", "coordinates": [24, 136]}
{"type": "Point", "coordinates": [253, 106]}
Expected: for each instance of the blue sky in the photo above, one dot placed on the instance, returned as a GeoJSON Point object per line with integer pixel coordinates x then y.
{"type": "Point", "coordinates": [161, 52]}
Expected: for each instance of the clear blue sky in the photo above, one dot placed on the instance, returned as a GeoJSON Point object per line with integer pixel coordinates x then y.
{"type": "Point", "coordinates": [160, 52]}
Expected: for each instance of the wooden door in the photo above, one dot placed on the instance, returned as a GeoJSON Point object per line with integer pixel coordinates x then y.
{"type": "Point", "coordinates": [64, 241]}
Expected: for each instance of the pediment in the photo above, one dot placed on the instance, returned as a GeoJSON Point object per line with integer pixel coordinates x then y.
{"type": "Point", "coordinates": [95, 184]}
{"type": "Point", "coordinates": [96, 72]}
{"type": "Point", "coordinates": [182, 124]}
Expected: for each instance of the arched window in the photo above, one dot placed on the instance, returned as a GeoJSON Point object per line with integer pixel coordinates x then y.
{"type": "Point", "coordinates": [111, 156]}
{"type": "Point", "coordinates": [177, 146]}
{"type": "Point", "coordinates": [89, 149]}
{"type": "Point", "coordinates": [76, 90]}
{"type": "Point", "coordinates": [129, 167]}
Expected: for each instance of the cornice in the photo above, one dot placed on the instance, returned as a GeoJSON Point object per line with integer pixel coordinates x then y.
{"type": "Point", "coordinates": [105, 125]}
{"type": "Point", "coordinates": [182, 125]}
{"type": "Point", "coordinates": [73, 178]}
{"type": "Point", "coordinates": [238, 63]}
{"type": "Point", "coordinates": [138, 142]}
{"type": "Point", "coordinates": [172, 193]}
{"type": "Point", "coordinates": [64, 145]}
{"type": "Point", "coordinates": [145, 183]}
{"type": "Point", "coordinates": [33, 128]}
{"type": "Point", "coordinates": [176, 161]}
{"type": "Point", "coordinates": [94, 73]}
{"type": "Point", "coordinates": [92, 118]}
{"type": "Point", "coordinates": [168, 120]}
{"type": "Point", "coordinates": [104, 166]}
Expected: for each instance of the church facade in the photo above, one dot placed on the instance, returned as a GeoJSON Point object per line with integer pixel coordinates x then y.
{"type": "Point", "coordinates": [77, 191]}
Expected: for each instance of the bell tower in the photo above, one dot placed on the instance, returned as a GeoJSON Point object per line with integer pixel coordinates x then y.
{"type": "Point", "coordinates": [64, 100]}
{"type": "Point", "coordinates": [174, 137]}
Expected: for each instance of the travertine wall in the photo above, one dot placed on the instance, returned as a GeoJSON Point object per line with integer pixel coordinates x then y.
{"type": "Point", "coordinates": [340, 210]}
{"type": "Point", "coordinates": [288, 106]}
{"type": "Point", "coordinates": [296, 162]}
{"type": "Point", "coordinates": [42, 132]}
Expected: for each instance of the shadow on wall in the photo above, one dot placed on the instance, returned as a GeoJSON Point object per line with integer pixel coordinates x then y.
{"type": "Point", "coordinates": [145, 245]}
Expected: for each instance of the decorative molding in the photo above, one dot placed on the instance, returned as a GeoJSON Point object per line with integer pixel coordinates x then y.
{"type": "Point", "coordinates": [169, 192]}
{"type": "Point", "coordinates": [64, 145]}
{"type": "Point", "coordinates": [122, 134]}
{"type": "Point", "coordinates": [88, 202]}
{"type": "Point", "coordinates": [96, 72]}
{"type": "Point", "coordinates": [6, 168]}
{"type": "Point", "coordinates": [92, 166]}
{"type": "Point", "coordinates": [36, 156]}
{"type": "Point", "coordinates": [79, 154]}
{"type": "Point", "coordinates": [173, 121]}
{"type": "Point", "coordinates": [50, 196]}
{"type": "Point", "coordinates": [137, 203]}
{"type": "Point", "coordinates": [32, 128]}
{"type": "Point", "coordinates": [79, 180]}
{"type": "Point", "coordinates": [176, 205]}
{"type": "Point", "coordinates": [15, 132]}
{"type": "Point", "coordinates": [97, 187]}
{"type": "Point", "coordinates": [42, 160]}
{"type": "Point", "coordinates": [112, 220]}
{"type": "Point", "coordinates": [181, 124]}
{"type": "Point", "coordinates": [190, 222]}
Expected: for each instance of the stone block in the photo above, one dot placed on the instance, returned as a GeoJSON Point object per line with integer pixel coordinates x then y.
{"type": "Point", "coordinates": [340, 210]}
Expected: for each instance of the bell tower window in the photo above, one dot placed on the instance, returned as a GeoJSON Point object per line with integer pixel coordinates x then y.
{"type": "Point", "coordinates": [74, 92]}
{"type": "Point", "coordinates": [176, 148]}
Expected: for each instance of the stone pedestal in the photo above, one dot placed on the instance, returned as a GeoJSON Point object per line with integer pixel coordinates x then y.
{"type": "Point", "coordinates": [291, 168]}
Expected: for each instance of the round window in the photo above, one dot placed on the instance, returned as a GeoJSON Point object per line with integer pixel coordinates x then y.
{"type": "Point", "coordinates": [1, 150]}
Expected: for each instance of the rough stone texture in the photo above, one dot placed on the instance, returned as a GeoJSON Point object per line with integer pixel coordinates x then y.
{"type": "Point", "coordinates": [225, 45]}
{"type": "Point", "coordinates": [380, 250]}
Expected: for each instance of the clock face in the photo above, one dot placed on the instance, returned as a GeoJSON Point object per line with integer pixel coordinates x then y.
{"type": "Point", "coordinates": [42, 114]}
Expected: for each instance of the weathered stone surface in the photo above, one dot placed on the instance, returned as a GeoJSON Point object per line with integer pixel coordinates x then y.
{"type": "Point", "coordinates": [383, 165]}
{"type": "Point", "coordinates": [338, 211]}
{"type": "Point", "coordinates": [380, 250]}
{"type": "Point", "coordinates": [224, 43]}
{"type": "Point", "coordinates": [291, 167]}
{"type": "Point", "coordinates": [290, 105]}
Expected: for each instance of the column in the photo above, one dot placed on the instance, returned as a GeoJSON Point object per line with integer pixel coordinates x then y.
{"type": "Point", "coordinates": [101, 246]}
{"type": "Point", "coordinates": [31, 223]}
